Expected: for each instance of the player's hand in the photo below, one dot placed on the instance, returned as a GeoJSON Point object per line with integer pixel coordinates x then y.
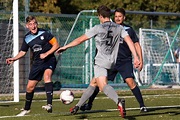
{"type": "Point", "coordinates": [140, 66]}
{"type": "Point", "coordinates": [60, 50]}
{"type": "Point", "coordinates": [10, 60]}
{"type": "Point", "coordinates": [136, 62]}
{"type": "Point", "coordinates": [43, 55]}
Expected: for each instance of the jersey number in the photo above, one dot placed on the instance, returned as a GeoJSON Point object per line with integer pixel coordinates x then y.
{"type": "Point", "coordinates": [109, 38]}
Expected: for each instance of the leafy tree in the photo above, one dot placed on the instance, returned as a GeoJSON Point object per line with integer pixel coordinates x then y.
{"type": "Point", "coordinates": [44, 6]}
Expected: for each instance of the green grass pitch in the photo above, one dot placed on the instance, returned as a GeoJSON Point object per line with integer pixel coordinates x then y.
{"type": "Point", "coordinates": [163, 104]}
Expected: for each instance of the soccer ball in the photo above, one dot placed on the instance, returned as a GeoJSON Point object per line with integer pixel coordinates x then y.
{"type": "Point", "coordinates": [67, 97]}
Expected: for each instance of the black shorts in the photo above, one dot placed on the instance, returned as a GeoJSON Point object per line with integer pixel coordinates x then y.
{"type": "Point", "coordinates": [125, 69]}
{"type": "Point", "coordinates": [37, 70]}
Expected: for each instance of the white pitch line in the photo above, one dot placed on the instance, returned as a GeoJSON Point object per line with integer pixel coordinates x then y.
{"type": "Point", "coordinates": [66, 113]}
{"type": "Point", "coordinates": [144, 96]}
{"type": "Point", "coordinates": [13, 116]}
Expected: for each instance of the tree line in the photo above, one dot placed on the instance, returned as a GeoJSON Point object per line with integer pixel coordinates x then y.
{"type": "Point", "coordinates": [75, 6]}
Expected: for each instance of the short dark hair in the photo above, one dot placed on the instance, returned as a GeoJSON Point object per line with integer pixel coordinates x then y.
{"type": "Point", "coordinates": [121, 10]}
{"type": "Point", "coordinates": [104, 11]}
{"type": "Point", "coordinates": [30, 18]}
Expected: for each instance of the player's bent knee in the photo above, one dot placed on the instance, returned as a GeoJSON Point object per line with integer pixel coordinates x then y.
{"type": "Point", "coordinates": [30, 89]}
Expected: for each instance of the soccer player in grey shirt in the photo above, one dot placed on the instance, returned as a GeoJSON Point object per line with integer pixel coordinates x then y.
{"type": "Point", "coordinates": [124, 64]}
{"type": "Point", "coordinates": [107, 38]}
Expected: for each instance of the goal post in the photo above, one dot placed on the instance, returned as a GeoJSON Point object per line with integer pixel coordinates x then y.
{"type": "Point", "coordinates": [9, 44]}
{"type": "Point", "coordinates": [16, 49]}
{"type": "Point", "coordinates": [76, 65]}
{"type": "Point", "coordinates": [160, 66]}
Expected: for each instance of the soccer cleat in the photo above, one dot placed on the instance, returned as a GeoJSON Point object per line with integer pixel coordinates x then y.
{"type": "Point", "coordinates": [143, 109]}
{"type": "Point", "coordinates": [23, 113]}
{"type": "Point", "coordinates": [74, 110]}
{"type": "Point", "coordinates": [48, 108]}
{"type": "Point", "coordinates": [121, 107]}
{"type": "Point", "coordinates": [86, 107]}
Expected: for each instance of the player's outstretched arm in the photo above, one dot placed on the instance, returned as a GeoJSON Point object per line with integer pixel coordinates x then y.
{"type": "Point", "coordinates": [60, 50]}
{"type": "Point", "coordinates": [75, 42]}
{"type": "Point", "coordinates": [18, 56]}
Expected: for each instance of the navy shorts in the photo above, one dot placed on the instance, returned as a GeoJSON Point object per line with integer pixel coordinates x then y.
{"type": "Point", "coordinates": [37, 70]}
{"type": "Point", "coordinates": [125, 69]}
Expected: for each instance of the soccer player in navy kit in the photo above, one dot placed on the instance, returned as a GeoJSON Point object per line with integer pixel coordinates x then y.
{"type": "Point", "coordinates": [124, 63]}
{"type": "Point", "coordinates": [43, 45]}
{"type": "Point", "coordinates": [177, 55]}
{"type": "Point", "coordinates": [107, 37]}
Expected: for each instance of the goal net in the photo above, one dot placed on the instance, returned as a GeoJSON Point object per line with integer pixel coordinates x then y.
{"type": "Point", "coordinates": [160, 66]}
{"type": "Point", "coordinates": [76, 65]}
{"type": "Point", "coordinates": [9, 74]}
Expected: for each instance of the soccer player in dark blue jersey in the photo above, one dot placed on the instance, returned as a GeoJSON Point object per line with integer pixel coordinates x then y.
{"type": "Point", "coordinates": [43, 45]}
{"type": "Point", "coordinates": [124, 63]}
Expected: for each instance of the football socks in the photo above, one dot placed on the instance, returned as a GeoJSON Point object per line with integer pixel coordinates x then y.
{"type": "Point", "coordinates": [29, 97]}
{"type": "Point", "coordinates": [89, 91]}
{"type": "Point", "coordinates": [91, 99]}
{"type": "Point", "coordinates": [111, 93]}
{"type": "Point", "coordinates": [137, 93]}
{"type": "Point", "coordinates": [49, 92]}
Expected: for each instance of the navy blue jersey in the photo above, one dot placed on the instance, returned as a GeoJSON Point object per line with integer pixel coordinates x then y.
{"type": "Point", "coordinates": [38, 43]}
{"type": "Point", "coordinates": [124, 52]}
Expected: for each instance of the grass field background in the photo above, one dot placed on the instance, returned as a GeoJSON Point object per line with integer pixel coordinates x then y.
{"type": "Point", "coordinates": [163, 104]}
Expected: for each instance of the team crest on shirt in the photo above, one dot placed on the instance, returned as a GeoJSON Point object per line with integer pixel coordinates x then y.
{"type": "Point", "coordinates": [36, 48]}
{"type": "Point", "coordinates": [50, 66]}
{"type": "Point", "coordinates": [42, 37]}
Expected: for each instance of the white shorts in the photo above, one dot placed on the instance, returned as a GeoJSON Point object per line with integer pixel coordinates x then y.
{"type": "Point", "coordinates": [99, 71]}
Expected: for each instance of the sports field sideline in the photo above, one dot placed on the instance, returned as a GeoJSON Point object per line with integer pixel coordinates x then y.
{"type": "Point", "coordinates": [162, 104]}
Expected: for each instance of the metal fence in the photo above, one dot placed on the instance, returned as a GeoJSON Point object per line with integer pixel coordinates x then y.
{"type": "Point", "coordinates": [74, 68]}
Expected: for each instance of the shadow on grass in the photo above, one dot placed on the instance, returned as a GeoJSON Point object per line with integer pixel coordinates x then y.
{"type": "Point", "coordinates": [151, 111]}
{"type": "Point", "coordinates": [84, 115]}
{"type": "Point", "coordinates": [9, 105]}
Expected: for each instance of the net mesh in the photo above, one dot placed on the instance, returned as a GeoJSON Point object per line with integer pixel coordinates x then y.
{"type": "Point", "coordinates": [76, 63]}
{"type": "Point", "coordinates": [6, 45]}
{"type": "Point", "coordinates": [155, 45]}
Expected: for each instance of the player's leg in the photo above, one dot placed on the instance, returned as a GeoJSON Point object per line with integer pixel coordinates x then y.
{"type": "Point", "coordinates": [34, 77]}
{"type": "Point", "coordinates": [49, 89]}
{"type": "Point", "coordinates": [111, 93]}
{"type": "Point", "coordinates": [126, 71]}
{"type": "Point", "coordinates": [135, 90]}
{"type": "Point", "coordinates": [49, 68]}
{"type": "Point", "coordinates": [111, 75]}
{"type": "Point", "coordinates": [88, 105]}
{"type": "Point", "coordinates": [29, 96]}
{"type": "Point", "coordinates": [30, 93]}
{"type": "Point", "coordinates": [91, 99]}
{"type": "Point", "coordinates": [101, 74]}
{"type": "Point", "coordinates": [88, 92]}
{"type": "Point", "coordinates": [137, 93]}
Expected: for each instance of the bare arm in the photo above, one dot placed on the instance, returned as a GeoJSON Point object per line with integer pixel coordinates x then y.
{"type": "Point", "coordinates": [18, 56]}
{"type": "Point", "coordinates": [133, 50]}
{"type": "Point", "coordinates": [75, 42]}
{"type": "Point", "coordinates": [139, 52]}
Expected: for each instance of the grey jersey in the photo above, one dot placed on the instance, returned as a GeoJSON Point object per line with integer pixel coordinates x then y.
{"type": "Point", "coordinates": [107, 37]}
